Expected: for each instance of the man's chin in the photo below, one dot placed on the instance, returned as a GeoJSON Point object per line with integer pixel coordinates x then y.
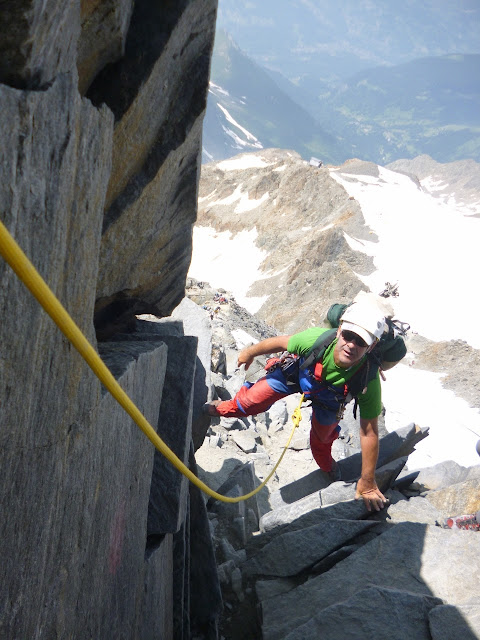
{"type": "Point", "coordinates": [347, 362]}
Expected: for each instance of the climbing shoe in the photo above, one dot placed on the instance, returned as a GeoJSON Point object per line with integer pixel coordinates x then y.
{"type": "Point", "coordinates": [470, 522]}
{"type": "Point", "coordinates": [210, 408]}
{"type": "Point", "coordinates": [335, 474]}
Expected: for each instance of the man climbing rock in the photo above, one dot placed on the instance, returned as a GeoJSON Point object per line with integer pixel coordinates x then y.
{"type": "Point", "coordinates": [330, 367]}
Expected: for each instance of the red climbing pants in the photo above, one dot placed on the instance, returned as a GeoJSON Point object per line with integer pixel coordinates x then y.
{"type": "Point", "coordinates": [322, 437]}
{"type": "Point", "coordinates": [250, 400]}
{"type": "Point", "coordinates": [259, 397]}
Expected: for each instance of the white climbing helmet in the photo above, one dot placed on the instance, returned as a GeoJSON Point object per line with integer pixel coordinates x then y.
{"type": "Point", "coordinates": [365, 320]}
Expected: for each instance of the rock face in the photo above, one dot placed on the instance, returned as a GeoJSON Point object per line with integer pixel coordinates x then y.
{"type": "Point", "coordinates": [155, 157]}
{"type": "Point", "coordinates": [101, 109]}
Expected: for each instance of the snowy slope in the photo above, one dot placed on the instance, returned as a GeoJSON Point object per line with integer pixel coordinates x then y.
{"type": "Point", "coordinates": [428, 246]}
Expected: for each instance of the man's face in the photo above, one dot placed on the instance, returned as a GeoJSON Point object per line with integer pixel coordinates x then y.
{"type": "Point", "coordinates": [349, 350]}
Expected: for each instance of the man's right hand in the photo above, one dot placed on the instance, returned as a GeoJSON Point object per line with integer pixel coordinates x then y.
{"type": "Point", "coordinates": [245, 358]}
{"type": "Point", "coordinates": [269, 345]}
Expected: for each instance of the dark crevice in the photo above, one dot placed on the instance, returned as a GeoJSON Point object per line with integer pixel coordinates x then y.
{"type": "Point", "coordinates": [116, 315]}
{"type": "Point", "coordinates": [153, 543]}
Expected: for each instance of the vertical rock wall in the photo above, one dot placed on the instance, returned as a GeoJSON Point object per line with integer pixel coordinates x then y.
{"type": "Point", "coordinates": [101, 105]}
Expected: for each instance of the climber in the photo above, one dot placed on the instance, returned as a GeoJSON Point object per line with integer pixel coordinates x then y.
{"type": "Point", "coordinates": [344, 368]}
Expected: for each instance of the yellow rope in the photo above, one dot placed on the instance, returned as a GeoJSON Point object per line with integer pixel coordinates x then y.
{"type": "Point", "coordinates": [30, 277]}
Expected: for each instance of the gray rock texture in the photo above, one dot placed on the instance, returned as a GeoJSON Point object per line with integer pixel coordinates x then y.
{"type": "Point", "coordinates": [463, 497]}
{"type": "Point", "coordinates": [399, 614]}
{"type": "Point", "coordinates": [195, 323]}
{"type": "Point", "coordinates": [405, 559]}
{"type": "Point", "coordinates": [293, 552]}
{"type": "Point", "coordinates": [155, 157]}
{"type": "Point", "coordinates": [39, 41]}
{"type": "Point", "coordinates": [445, 621]}
{"type": "Point", "coordinates": [101, 108]}
{"type": "Point", "coordinates": [104, 28]}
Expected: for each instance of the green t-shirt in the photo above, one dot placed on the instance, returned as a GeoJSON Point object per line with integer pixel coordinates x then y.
{"type": "Point", "coordinates": [370, 403]}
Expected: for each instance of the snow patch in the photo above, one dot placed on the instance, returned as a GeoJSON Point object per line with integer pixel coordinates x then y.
{"type": "Point", "coordinates": [218, 89]}
{"type": "Point", "coordinates": [212, 262]}
{"type": "Point", "coordinates": [247, 161]}
{"type": "Point", "coordinates": [248, 135]}
{"type": "Point", "coordinates": [428, 246]}
{"type": "Point", "coordinates": [246, 204]}
{"type": "Point", "coordinates": [454, 426]}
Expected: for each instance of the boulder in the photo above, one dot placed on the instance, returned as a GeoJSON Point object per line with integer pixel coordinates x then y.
{"type": "Point", "coordinates": [244, 440]}
{"type": "Point", "coordinates": [405, 558]}
{"type": "Point", "coordinates": [439, 476]}
{"type": "Point", "coordinates": [458, 499]}
{"type": "Point", "coordinates": [418, 509]}
{"type": "Point", "coordinates": [295, 551]}
{"type": "Point", "coordinates": [398, 615]}
{"type": "Point", "coordinates": [195, 323]}
{"type": "Point", "coordinates": [447, 621]}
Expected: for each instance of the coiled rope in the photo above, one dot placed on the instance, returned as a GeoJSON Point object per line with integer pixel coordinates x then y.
{"type": "Point", "coordinates": [26, 272]}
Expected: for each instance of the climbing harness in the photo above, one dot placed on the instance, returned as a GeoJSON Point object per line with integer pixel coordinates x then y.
{"type": "Point", "coordinates": [21, 265]}
{"type": "Point", "coordinates": [354, 387]}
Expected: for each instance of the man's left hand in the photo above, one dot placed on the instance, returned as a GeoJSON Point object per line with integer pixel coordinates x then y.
{"type": "Point", "coordinates": [371, 494]}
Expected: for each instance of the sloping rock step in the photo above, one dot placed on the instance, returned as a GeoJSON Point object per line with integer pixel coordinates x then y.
{"type": "Point", "coordinates": [323, 566]}
{"type": "Point", "coordinates": [407, 580]}
{"type": "Point", "coordinates": [409, 564]}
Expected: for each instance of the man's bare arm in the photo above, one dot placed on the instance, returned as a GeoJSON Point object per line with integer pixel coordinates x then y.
{"type": "Point", "coordinates": [366, 485]}
{"type": "Point", "coordinates": [269, 345]}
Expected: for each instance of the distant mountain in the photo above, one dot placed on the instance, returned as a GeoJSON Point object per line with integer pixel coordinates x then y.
{"type": "Point", "coordinates": [377, 80]}
{"type": "Point", "coordinates": [427, 106]}
{"type": "Point", "coordinates": [454, 182]}
{"type": "Point", "coordinates": [247, 110]}
{"type": "Point", "coordinates": [310, 41]}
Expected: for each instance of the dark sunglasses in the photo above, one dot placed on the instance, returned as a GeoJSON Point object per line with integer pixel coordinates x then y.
{"type": "Point", "coordinates": [349, 336]}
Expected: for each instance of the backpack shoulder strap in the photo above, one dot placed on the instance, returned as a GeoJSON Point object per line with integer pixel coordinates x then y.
{"type": "Point", "coordinates": [362, 377]}
{"type": "Point", "coordinates": [319, 347]}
